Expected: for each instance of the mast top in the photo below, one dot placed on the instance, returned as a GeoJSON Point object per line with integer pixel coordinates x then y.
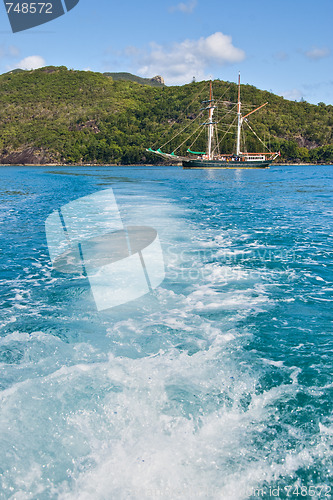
{"type": "Point", "coordinates": [239, 103]}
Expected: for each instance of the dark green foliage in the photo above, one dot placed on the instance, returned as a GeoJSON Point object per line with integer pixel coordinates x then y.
{"type": "Point", "coordinates": [84, 117]}
{"type": "Point", "coordinates": [133, 78]}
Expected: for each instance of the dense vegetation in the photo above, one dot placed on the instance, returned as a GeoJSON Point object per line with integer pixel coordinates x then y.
{"type": "Point", "coordinates": [154, 82]}
{"type": "Point", "coordinates": [72, 116]}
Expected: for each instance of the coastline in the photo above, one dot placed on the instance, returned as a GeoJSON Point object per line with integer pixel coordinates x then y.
{"type": "Point", "coordinates": [141, 165]}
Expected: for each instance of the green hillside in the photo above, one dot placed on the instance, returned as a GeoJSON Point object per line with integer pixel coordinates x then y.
{"type": "Point", "coordinates": [154, 82]}
{"type": "Point", "coordinates": [53, 115]}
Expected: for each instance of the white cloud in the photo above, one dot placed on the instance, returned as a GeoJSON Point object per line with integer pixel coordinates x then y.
{"type": "Point", "coordinates": [318, 53]}
{"type": "Point", "coordinates": [292, 95]}
{"type": "Point", "coordinates": [30, 62]}
{"type": "Point", "coordinates": [186, 8]}
{"type": "Point", "coordinates": [281, 56]}
{"type": "Point", "coordinates": [179, 62]}
{"type": "Point", "coordinates": [9, 52]}
{"type": "Point", "coordinates": [13, 51]}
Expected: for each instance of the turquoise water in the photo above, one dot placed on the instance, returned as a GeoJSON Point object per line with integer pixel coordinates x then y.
{"type": "Point", "coordinates": [218, 385]}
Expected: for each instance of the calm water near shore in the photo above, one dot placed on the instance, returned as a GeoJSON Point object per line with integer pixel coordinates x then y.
{"type": "Point", "coordinates": [217, 385]}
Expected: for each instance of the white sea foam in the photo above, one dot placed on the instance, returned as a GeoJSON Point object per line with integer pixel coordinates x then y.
{"type": "Point", "coordinates": [133, 432]}
{"type": "Point", "coordinates": [166, 398]}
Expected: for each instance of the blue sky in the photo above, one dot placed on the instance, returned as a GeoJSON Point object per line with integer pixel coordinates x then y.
{"type": "Point", "coordinates": [285, 46]}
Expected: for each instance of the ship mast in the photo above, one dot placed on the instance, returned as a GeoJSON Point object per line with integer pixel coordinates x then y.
{"type": "Point", "coordinates": [210, 122]}
{"type": "Point", "coordinates": [240, 120]}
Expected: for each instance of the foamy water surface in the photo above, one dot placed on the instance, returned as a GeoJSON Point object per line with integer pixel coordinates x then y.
{"type": "Point", "coordinates": [218, 385]}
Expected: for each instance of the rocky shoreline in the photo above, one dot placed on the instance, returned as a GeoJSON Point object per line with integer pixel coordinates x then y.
{"type": "Point", "coordinates": [17, 164]}
{"type": "Point", "coordinates": [31, 157]}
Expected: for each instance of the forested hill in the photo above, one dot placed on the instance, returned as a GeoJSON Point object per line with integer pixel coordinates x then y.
{"type": "Point", "coordinates": [55, 115]}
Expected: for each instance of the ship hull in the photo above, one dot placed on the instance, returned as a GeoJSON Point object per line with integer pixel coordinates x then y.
{"type": "Point", "coordinates": [187, 164]}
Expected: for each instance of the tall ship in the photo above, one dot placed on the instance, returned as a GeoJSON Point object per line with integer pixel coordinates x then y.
{"type": "Point", "coordinates": [212, 157]}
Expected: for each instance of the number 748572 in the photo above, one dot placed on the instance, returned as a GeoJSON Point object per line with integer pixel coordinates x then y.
{"type": "Point", "coordinates": [29, 8]}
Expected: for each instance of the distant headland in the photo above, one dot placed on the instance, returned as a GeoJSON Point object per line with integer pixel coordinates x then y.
{"type": "Point", "coordinates": [56, 115]}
